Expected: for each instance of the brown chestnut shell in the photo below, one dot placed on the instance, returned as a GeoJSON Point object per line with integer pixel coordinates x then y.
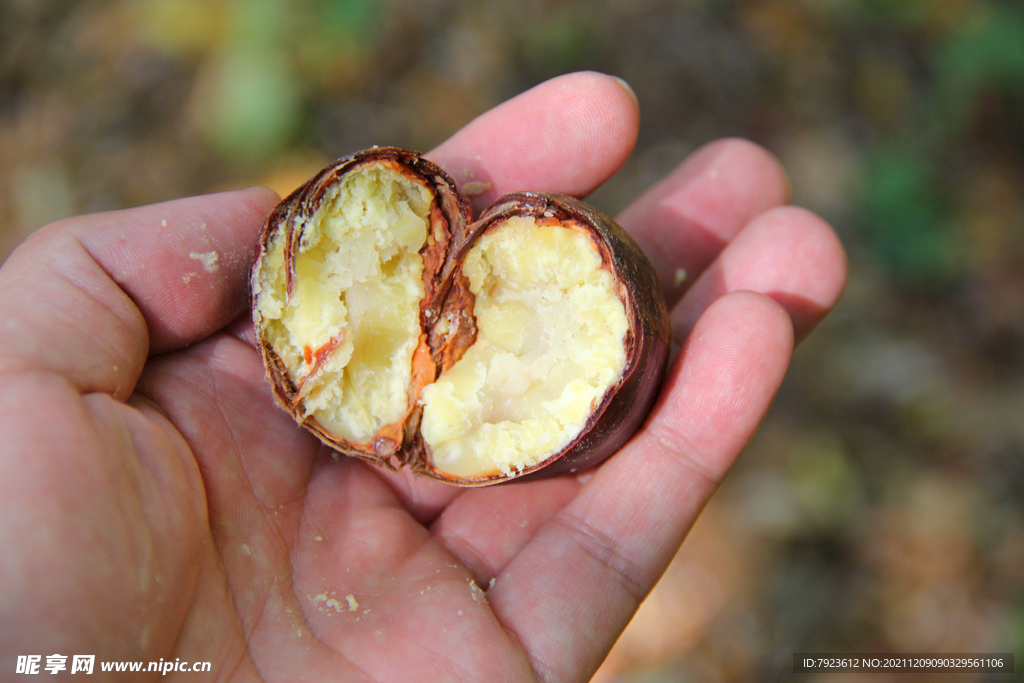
{"type": "Point", "coordinates": [613, 419]}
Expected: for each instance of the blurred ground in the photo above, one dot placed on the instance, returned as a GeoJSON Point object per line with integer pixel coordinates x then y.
{"type": "Point", "coordinates": [881, 506]}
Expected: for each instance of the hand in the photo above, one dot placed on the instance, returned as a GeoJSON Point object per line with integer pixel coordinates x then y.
{"type": "Point", "coordinates": [155, 503]}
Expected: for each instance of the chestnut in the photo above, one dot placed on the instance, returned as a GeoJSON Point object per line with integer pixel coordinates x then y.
{"type": "Point", "coordinates": [531, 342]}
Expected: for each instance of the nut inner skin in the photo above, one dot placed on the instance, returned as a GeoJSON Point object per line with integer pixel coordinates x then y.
{"type": "Point", "coordinates": [529, 343]}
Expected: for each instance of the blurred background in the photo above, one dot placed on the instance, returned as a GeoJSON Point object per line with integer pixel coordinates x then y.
{"type": "Point", "coordinates": [881, 505]}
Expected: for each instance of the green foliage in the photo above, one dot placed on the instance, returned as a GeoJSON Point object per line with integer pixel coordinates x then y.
{"type": "Point", "coordinates": [356, 20]}
{"type": "Point", "coordinates": [255, 101]}
{"type": "Point", "coordinates": [254, 104]}
{"type": "Point", "coordinates": [904, 12]}
{"type": "Point", "coordinates": [562, 40]}
{"type": "Point", "coordinates": [909, 188]}
{"type": "Point", "coordinates": [258, 22]}
{"type": "Point", "coordinates": [986, 53]}
{"type": "Point", "coordinates": [905, 214]}
{"type": "Point", "coordinates": [1014, 639]}
{"type": "Point", "coordinates": [826, 487]}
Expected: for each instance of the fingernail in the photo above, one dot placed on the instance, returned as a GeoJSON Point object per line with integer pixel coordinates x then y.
{"type": "Point", "coordinates": [632, 94]}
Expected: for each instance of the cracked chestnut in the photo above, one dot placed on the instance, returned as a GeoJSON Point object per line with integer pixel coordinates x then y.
{"type": "Point", "coordinates": [531, 342]}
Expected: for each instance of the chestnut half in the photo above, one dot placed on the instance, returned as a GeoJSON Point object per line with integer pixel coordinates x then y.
{"type": "Point", "coordinates": [531, 342]}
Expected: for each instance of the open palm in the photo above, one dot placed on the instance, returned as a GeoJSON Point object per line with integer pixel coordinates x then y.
{"type": "Point", "coordinates": [155, 503]}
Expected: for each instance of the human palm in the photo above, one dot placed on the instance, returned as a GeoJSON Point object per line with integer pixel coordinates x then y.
{"type": "Point", "coordinates": [155, 503]}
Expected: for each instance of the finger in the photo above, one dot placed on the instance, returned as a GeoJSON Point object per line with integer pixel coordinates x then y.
{"type": "Point", "coordinates": [575, 586]}
{"type": "Point", "coordinates": [485, 528]}
{"type": "Point", "coordinates": [185, 263]}
{"type": "Point", "coordinates": [568, 135]}
{"type": "Point", "coordinates": [96, 500]}
{"type": "Point", "coordinates": [787, 253]}
{"type": "Point", "coordinates": [90, 297]}
{"type": "Point", "coordinates": [686, 219]}
{"type": "Point", "coordinates": [422, 498]}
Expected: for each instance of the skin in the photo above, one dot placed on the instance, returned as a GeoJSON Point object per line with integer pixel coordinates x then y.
{"type": "Point", "coordinates": [154, 503]}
